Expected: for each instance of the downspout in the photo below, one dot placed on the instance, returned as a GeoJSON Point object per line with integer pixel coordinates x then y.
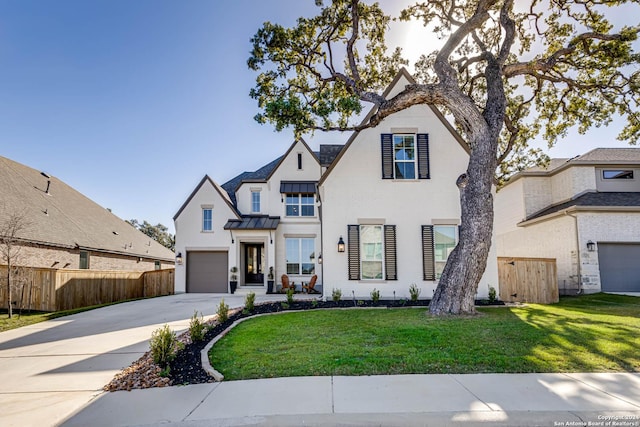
{"type": "Point", "coordinates": [575, 221]}
{"type": "Point", "coordinates": [321, 238]}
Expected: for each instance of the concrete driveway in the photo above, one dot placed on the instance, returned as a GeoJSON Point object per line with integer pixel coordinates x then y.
{"type": "Point", "coordinates": [51, 369]}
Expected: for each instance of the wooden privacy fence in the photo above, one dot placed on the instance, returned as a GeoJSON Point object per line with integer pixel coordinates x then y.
{"type": "Point", "coordinates": [47, 289]}
{"type": "Point", "coordinates": [528, 280]}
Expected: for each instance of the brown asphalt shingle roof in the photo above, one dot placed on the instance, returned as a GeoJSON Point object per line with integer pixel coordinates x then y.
{"type": "Point", "coordinates": [67, 218]}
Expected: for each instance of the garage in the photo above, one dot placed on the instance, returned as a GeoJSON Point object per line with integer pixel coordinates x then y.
{"type": "Point", "coordinates": [619, 267]}
{"type": "Point", "coordinates": [207, 272]}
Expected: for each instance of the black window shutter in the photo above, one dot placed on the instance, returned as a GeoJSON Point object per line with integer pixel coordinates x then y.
{"type": "Point", "coordinates": [353, 244]}
{"type": "Point", "coordinates": [386, 143]}
{"type": "Point", "coordinates": [428, 256]}
{"type": "Point", "coordinates": [423, 156]}
{"type": "Point", "coordinates": [391, 267]}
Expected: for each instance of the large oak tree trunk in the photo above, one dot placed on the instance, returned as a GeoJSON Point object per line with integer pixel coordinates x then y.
{"type": "Point", "coordinates": [455, 293]}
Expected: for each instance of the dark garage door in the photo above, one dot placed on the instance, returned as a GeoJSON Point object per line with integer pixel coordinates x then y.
{"type": "Point", "coordinates": [619, 267]}
{"type": "Point", "coordinates": [207, 272]}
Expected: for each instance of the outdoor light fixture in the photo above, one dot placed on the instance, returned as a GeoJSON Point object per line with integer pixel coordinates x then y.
{"type": "Point", "coordinates": [319, 258]}
{"type": "Point", "coordinates": [179, 258]}
{"type": "Point", "coordinates": [591, 246]}
{"type": "Point", "coordinates": [340, 245]}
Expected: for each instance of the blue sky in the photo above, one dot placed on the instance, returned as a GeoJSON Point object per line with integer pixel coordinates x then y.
{"type": "Point", "coordinates": [133, 102]}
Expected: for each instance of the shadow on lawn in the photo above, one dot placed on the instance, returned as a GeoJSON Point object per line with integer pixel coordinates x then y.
{"type": "Point", "coordinates": [601, 337]}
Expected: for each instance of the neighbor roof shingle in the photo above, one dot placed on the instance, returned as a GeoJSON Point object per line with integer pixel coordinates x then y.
{"type": "Point", "coordinates": [593, 199]}
{"type": "Point", "coordinates": [66, 218]}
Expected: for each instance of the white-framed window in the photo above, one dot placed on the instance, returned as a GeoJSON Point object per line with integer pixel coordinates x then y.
{"type": "Point", "coordinates": [207, 219]}
{"type": "Point", "coordinates": [300, 255]}
{"type": "Point", "coordinates": [300, 205]}
{"type": "Point", "coordinates": [404, 156]}
{"type": "Point", "coordinates": [255, 201]}
{"type": "Point", "coordinates": [445, 238]}
{"type": "Point", "coordinates": [371, 252]}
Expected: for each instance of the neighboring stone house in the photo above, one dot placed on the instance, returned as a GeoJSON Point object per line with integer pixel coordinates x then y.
{"type": "Point", "coordinates": [380, 212]}
{"type": "Point", "coordinates": [584, 212]}
{"type": "Point", "coordinates": [65, 229]}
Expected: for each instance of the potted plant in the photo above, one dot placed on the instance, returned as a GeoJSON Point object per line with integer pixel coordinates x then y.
{"type": "Point", "coordinates": [233, 279]}
{"type": "Point", "coordinates": [270, 281]}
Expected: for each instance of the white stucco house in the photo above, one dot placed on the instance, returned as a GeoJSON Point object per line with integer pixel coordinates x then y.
{"type": "Point", "coordinates": [380, 212]}
{"type": "Point", "coordinates": [584, 212]}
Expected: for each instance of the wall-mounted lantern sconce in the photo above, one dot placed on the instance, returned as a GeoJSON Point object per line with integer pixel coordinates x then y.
{"type": "Point", "coordinates": [591, 246]}
{"type": "Point", "coordinates": [340, 245]}
{"type": "Point", "coordinates": [319, 258]}
{"type": "Point", "coordinates": [179, 258]}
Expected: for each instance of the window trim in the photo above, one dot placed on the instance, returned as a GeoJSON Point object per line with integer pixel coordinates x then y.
{"type": "Point", "coordinates": [203, 223]}
{"type": "Point", "coordinates": [255, 194]}
{"type": "Point", "coordinates": [414, 161]}
{"type": "Point", "coordinates": [456, 236]}
{"type": "Point", "coordinates": [299, 205]}
{"type": "Point", "coordinates": [363, 253]}
{"type": "Point", "coordinates": [300, 260]}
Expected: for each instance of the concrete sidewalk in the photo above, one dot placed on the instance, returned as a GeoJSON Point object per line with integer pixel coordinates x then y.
{"type": "Point", "coordinates": [402, 400]}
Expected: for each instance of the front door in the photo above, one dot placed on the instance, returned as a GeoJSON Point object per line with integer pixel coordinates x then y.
{"type": "Point", "coordinates": [254, 256]}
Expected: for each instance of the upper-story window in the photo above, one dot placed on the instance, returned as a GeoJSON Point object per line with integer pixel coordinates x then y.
{"type": "Point", "coordinates": [404, 156]}
{"type": "Point", "coordinates": [255, 201]}
{"type": "Point", "coordinates": [300, 205]}
{"type": "Point", "coordinates": [207, 219]}
{"type": "Point", "coordinates": [617, 174]}
{"type": "Point", "coordinates": [299, 161]}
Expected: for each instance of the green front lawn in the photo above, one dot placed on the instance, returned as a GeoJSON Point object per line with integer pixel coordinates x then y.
{"type": "Point", "coordinates": [594, 333]}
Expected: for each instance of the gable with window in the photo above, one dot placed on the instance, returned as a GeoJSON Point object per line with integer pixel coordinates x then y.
{"type": "Point", "coordinates": [405, 156]}
{"type": "Point", "coordinates": [372, 252]}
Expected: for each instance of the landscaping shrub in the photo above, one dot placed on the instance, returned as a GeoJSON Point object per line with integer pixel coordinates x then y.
{"type": "Point", "coordinates": [290, 293]}
{"type": "Point", "coordinates": [375, 295]}
{"type": "Point", "coordinates": [223, 312]}
{"type": "Point", "coordinates": [249, 301]}
{"type": "Point", "coordinates": [414, 291]}
{"type": "Point", "coordinates": [336, 295]}
{"type": "Point", "coordinates": [492, 295]}
{"type": "Point", "coordinates": [164, 346]}
{"type": "Point", "coordinates": [196, 327]}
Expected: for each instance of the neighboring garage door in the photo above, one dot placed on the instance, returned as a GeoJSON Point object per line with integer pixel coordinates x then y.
{"type": "Point", "coordinates": [619, 267]}
{"type": "Point", "coordinates": [207, 272]}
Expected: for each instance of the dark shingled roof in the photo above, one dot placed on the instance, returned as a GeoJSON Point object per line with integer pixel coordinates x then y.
{"type": "Point", "coordinates": [328, 153]}
{"type": "Point", "coordinates": [253, 222]}
{"type": "Point", "coordinates": [259, 175]}
{"type": "Point", "coordinates": [65, 218]}
{"type": "Point", "coordinates": [593, 199]}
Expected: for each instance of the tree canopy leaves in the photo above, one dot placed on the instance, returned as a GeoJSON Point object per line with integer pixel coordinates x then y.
{"type": "Point", "coordinates": [558, 64]}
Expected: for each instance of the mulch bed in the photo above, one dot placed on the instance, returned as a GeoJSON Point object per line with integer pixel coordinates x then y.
{"type": "Point", "coordinates": [186, 367]}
